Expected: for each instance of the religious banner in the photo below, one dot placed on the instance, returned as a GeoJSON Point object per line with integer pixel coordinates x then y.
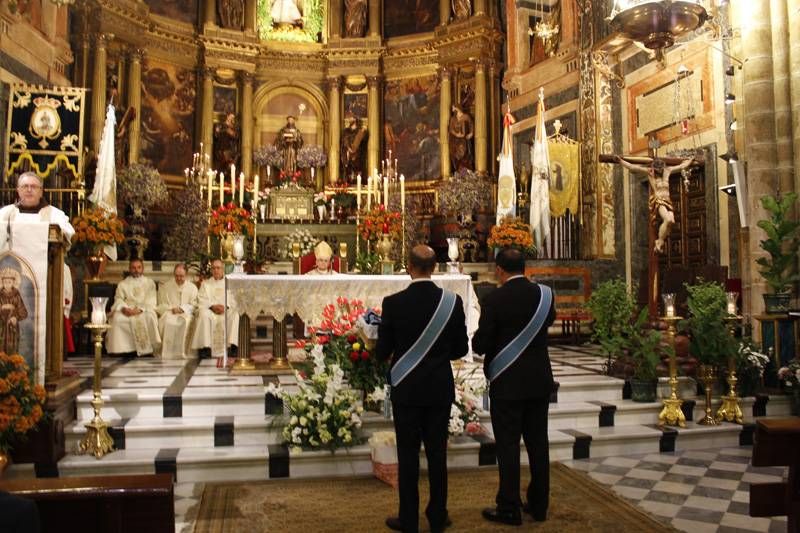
{"type": "Point", "coordinates": [506, 182]}
{"type": "Point", "coordinates": [23, 295]}
{"type": "Point", "coordinates": [540, 180]}
{"type": "Point", "coordinates": [44, 128]}
{"type": "Point", "coordinates": [565, 176]}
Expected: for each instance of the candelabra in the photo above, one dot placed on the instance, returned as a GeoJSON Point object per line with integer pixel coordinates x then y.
{"type": "Point", "coordinates": [672, 414]}
{"type": "Point", "coordinates": [97, 441]}
{"type": "Point", "coordinates": [731, 409]}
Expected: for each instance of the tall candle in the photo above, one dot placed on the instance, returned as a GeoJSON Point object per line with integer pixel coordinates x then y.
{"type": "Point", "coordinates": [241, 189]}
{"type": "Point", "coordinates": [358, 192]}
{"type": "Point", "coordinates": [233, 182]}
{"type": "Point", "coordinates": [369, 192]}
{"type": "Point", "coordinates": [221, 188]}
{"type": "Point", "coordinates": [208, 187]}
{"type": "Point", "coordinates": [254, 201]}
{"type": "Point", "coordinates": [385, 190]}
{"type": "Point", "coordinates": [402, 193]}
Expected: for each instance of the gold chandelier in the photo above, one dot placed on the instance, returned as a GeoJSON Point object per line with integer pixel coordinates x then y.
{"type": "Point", "coordinates": [657, 24]}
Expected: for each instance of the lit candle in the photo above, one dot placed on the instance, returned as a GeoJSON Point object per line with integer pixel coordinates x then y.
{"type": "Point", "coordinates": [731, 308]}
{"type": "Point", "coordinates": [221, 188]}
{"type": "Point", "coordinates": [209, 175]}
{"type": "Point", "coordinates": [358, 192]}
{"type": "Point", "coordinates": [670, 311]}
{"type": "Point", "coordinates": [186, 171]}
{"type": "Point", "coordinates": [385, 190]}
{"type": "Point", "coordinates": [402, 193]}
{"type": "Point", "coordinates": [254, 201]}
{"type": "Point", "coordinates": [312, 173]}
{"type": "Point", "coordinates": [233, 182]}
{"type": "Point", "coordinates": [201, 150]}
{"type": "Point", "coordinates": [269, 171]}
{"type": "Point", "coordinates": [369, 192]}
{"type": "Point", "coordinates": [241, 189]}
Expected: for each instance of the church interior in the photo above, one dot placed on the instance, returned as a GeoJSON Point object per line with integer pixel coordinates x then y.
{"type": "Point", "coordinates": [234, 186]}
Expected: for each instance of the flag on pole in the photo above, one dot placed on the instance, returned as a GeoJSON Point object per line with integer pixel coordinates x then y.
{"type": "Point", "coordinates": [540, 180]}
{"type": "Point", "coordinates": [104, 194]}
{"type": "Point", "coordinates": [506, 182]}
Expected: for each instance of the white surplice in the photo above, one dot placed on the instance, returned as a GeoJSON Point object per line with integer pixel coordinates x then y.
{"type": "Point", "coordinates": [210, 329]}
{"type": "Point", "coordinates": [137, 333]}
{"type": "Point", "coordinates": [174, 327]}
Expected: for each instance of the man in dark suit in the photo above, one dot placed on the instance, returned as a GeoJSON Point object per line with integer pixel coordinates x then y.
{"type": "Point", "coordinates": [422, 329]}
{"type": "Point", "coordinates": [512, 333]}
{"type": "Point", "coordinates": [18, 515]}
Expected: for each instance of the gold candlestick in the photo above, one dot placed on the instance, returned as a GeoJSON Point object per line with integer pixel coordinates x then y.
{"type": "Point", "coordinates": [97, 441]}
{"type": "Point", "coordinates": [708, 375]}
{"type": "Point", "coordinates": [672, 414]}
{"type": "Point", "coordinates": [731, 409]}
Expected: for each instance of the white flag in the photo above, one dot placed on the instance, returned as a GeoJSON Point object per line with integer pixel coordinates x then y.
{"type": "Point", "coordinates": [506, 182]}
{"type": "Point", "coordinates": [540, 180]}
{"type": "Point", "coordinates": [104, 194]}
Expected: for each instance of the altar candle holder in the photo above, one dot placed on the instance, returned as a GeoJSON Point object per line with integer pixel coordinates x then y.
{"type": "Point", "coordinates": [731, 409]}
{"type": "Point", "coordinates": [671, 413]}
{"type": "Point", "coordinates": [97, 441]}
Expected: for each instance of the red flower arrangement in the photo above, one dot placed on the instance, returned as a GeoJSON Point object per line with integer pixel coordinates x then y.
{"type": "Point", "coordinates": [378, 221]}
{"type": "Point", "coordinates": [285, 178]}
{"type": "Point", "coordinates": [230, 219]}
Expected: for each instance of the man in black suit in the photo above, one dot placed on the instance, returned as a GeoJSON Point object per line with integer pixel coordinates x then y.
{"type": "Point", "coordinates": [18, 515]}
{"type": "Point", "coordinates": [512, 332]}
{"type": "Point", "coordinates": [422, 329]}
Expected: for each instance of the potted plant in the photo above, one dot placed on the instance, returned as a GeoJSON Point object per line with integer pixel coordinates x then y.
{"type": "Point", "coordinates": [514, 233]}
{"type": "Point", "coordinates": [709, 338]}
{"type": "Point", "coordinates": [140, 188]}
{"type": "Point", "coordinates": [645, 348]}
{"type": "Point", "coordinates": [789, 377]}
{"type": "Point", "coordinates": [21, 403]}
{"type": "Point", "coordinates": [186, 236]}
{"type": "Point", "coordinates": [779, 270]}
{"type": "Point", "coordinates": [611, 307]}
{"type": "Point", "coordinates": [95, 228]}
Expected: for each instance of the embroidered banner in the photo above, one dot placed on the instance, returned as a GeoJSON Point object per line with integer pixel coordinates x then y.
{"type": "Point", "coordinates": [45, 127]}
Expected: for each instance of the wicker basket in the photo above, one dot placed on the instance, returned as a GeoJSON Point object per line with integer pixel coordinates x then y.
{"type": "Point", "coordinates": [386, 472]}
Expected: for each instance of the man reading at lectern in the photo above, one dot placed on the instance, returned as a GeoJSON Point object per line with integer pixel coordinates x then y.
{"type": "Point", "coordinates": [31, 207]}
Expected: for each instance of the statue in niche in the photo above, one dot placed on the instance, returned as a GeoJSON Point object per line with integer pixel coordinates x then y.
{"type": "Point", "coordinates": [286, 12]}
{"type": "Point", "coordinates": [289, 141]}
{"type": "Point", "coordinates": [231, 13]}
{"type": "Point", "coordinates": [226, 143]}
{"type": "Point", "coordinates": [355, 18]}
{"type": "Point", "coordinates": [353, 142]}
{"type": "Point", "coordinates": [461, 131]}
{"type": "Point", "coordinates": [462, 9]}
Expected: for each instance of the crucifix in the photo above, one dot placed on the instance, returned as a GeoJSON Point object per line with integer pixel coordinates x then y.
{"type": "Point", "coordinates": [658, 170]}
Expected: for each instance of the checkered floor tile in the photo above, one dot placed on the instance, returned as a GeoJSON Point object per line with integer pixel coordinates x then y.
{"type": "Point", "coordinates": [694, 491]}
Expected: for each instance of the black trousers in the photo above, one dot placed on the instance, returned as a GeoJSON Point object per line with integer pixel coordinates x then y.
{"type": "Point", "coordinates": [528, 419]}
{"type": "Point", "coordinates": [18, 515]}
{"type": "Point", "coordinates": [414, 425]}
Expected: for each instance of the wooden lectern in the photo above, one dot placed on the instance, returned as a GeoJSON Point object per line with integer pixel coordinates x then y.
{"type": "Point", "coordinates": [777, 443]}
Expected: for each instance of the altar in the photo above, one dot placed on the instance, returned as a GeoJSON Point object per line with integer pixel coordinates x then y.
{"type": "Point", "coordinates": [282, 295]}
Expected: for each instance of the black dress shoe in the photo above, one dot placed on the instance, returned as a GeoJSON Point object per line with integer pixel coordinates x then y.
{"type": "Point", "coordinates": [394, 523]}
{"type": "Point", "coordinates": [536, 516]}
{"type": "Point", "coordinates": [439, 529]}
{"type": "Point", "coordinates": [511, 518]}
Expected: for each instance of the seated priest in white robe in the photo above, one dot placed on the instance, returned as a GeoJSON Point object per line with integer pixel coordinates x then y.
{"type": "Point", "coordinates": [177, 300]}
{"type": "Point", "coordinates": [209, 334]}
{"type": "Point", "coordinates": [134, 323]}
{"type": "Point", "coordinates": [323, 254]}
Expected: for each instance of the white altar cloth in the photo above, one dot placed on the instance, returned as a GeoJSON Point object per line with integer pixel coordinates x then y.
{"type": "Point", "coordinates": [307, 295]}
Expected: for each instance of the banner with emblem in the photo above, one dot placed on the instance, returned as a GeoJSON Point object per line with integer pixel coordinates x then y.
{"type": "Point", "coordinates": [45, 126]}
{"type": "Point", "coordinates": [565, 176]}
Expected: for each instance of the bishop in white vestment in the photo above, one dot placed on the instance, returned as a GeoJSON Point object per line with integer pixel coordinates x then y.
{"type": "Point", "coordinates": [177, 300]}
{"type": "Point", "coordinates": [134, 323]}
{"type": "Point", "coordinates": [209, 334]}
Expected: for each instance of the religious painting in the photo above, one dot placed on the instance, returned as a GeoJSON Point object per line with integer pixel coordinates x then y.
{"type": "Point", "coordinates": [180, 10]}
{"type": "Point", "coordinates": [406, 17]}
{"type": "Point", "coordinates": [29, 10]}
{"type": "Point", "coordinates": [411, 126]}
{"type": "Point", "coordinates": [168, 106]}
{"type": "Point", "coordinates": [465, 91]}
{"type": "Point", "coordinates": [18, 310]}
{"type": "Point", "coordinates": [353, 156]}
{"type": "Point", "coordinates": [355, 105]}
{"type": "Point", "coordinates": [224, 100]}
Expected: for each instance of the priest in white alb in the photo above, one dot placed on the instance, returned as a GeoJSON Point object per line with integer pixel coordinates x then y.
{"type": "Point", "coordinates": [209, 334]}
{"type": "Point", "coordinates": [177, 300]}
{"type": "Point", "coordinates": [134, 323]}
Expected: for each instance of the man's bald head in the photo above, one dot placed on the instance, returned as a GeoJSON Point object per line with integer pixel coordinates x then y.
{"type": "Point", "coordinates": [421, 261]}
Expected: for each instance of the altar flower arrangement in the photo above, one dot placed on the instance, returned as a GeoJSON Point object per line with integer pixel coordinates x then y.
{"type": "Point", "coordinates": [789, 377]}
{"type": "Point", "coordinates": [323, 413]}
{"type": "Point", "coordinates": [311, 155]}
{"type": "Point", "coordinates": [96, 228]}
{"type": "Point", "coordinates": [377, 221]}
{"type": "Point", "coordinates": [289, 178]}
{"type": "Point", "coordinates": [140, 186]}
{"type": "Point", "coordinates": [21, 403]}
{"type": "Point", "coordinates": [229, 218]}
{"type": "Point", "coordinates": [465, 410]}
{"type": "Point", "coordinates": [750, 365]}
{"type": "Point", "coordinates": [514, 233]}
{"type": "Point", "coordinates": [268, 156]}
{"type": "Point", "coordinates": [320, 199]}
{"type": "Point", "coordinates": [304, 237]}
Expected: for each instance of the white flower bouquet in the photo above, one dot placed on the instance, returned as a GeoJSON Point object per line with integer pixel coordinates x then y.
{"type": "Point", "coordinates": [384, 456]}
{"type": "Point", "coordinates": [465, 410]}
{"type": "Point", "coordinates": [304, 237]}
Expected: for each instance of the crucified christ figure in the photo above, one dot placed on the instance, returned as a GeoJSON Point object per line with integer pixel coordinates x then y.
{"type": "Point", "coordinates": [658, 174]}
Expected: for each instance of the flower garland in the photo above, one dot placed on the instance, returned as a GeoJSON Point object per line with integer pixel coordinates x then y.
{"type": "Point", "coordinates": [21, 404]}
{"type": "Point", "coordinates": [95, 228]}
{"type": "Point", "coordinates": [513, 233]}
{"type": "Point", "coordinates": [377, 221]}
{"type": "Point", "coordinates": [230, 219]}
{"type": "Point", "coordinates": [323, 413]}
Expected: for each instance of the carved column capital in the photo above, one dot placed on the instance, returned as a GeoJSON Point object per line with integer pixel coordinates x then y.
{"type": "Point", "coordinates": [246, 77]}
{"type": "Point", "coordinates": [135, 53]}
{"type": "Point", "coordinates": [374, 82]}
{"type": "Point", "coordinates": [480, 64]}
{"type": "Point", "coordinates": [334, 82]}
{"type": "Point", "coordinates": [445, 72]}
{"type": "Point", "coordinates": [101, 40]}
{"type": "Point", "coordinates": [207, 72]}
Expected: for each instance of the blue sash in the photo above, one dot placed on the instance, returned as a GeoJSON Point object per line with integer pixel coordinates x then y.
{"type": "Point", "coordinates": [506, 357]}
{"type": "Point", "coordinates": [409, 360]}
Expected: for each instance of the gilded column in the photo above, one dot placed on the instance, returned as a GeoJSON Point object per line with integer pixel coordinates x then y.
{"type": "Point", "coordinates": [83, 78]}
{"type": "Point", "coordinates": [210, 12]}
{"type": "Point", "coordinates": [444, 12]}
{"type": "Point", "coordinates": [250, 7]}
{"type": "Point", "coordinates": [794, 69]}
{"type": "Point", "coordinates": [760, 139]}
{"type": "Point", "coordinates": [207, 111]}
{"type": "Point", "coordinates": [335, 18]}
{"type": "Point", "coordinates": [445, 104]}
{"type": "Point", "coordinates": [374, 18]}
{"type": "Point", "coordinates": [247, 123]}
{"type": "Point", "coordinates": [494, 115]}
{"type": "Point", "coordinates": [99, 89]}
{"type": "Point", "coordinates": [135, 101]}
{"type": "Point", "coordinates": [373, 124]}
{"type": "Point", "coordinates": [335, 127]}
{"type": "Point", "coordinates": [480, 7]}
{"type": "Point", "coordinates": [481, 102]}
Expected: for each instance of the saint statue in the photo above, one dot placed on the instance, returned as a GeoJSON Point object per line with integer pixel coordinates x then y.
{"type": "Point", "coordinates": [231, 13]}
{"type": "Point", "coordinates": [289, 141]}
{"type": "Point", "coordinates": [353, 143]}
{"type": "Point", "coordinates": [355, 18]}
{"type": "Point", "coordinates": [226, 142]}
{"type": "Point", "coordinates": [461, 9]}
{"type": "Point", "coordinates": [461, 131]}
{"type": "Point", "coordinates": [286, 12]}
